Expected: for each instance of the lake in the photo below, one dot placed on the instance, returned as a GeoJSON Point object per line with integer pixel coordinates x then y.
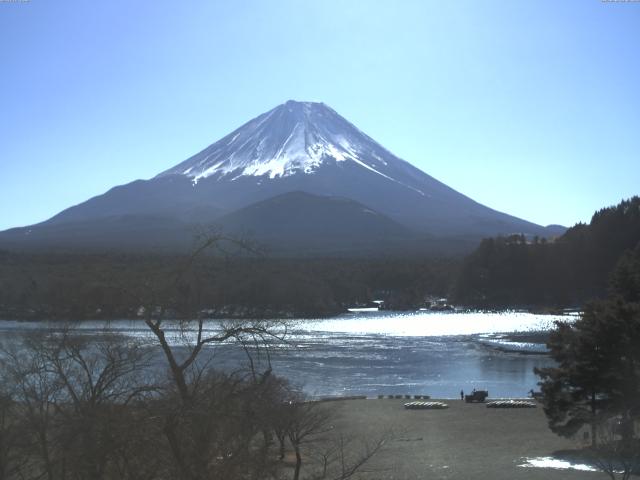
{"type": "Point", "coordinates": [382, 353]}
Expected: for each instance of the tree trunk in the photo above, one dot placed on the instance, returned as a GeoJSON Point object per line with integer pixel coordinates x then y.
{"type": "Point", "coordinates": [44, 449]}
{"type": "Point", "coordinates": [296, 474]}
{"type": "Point", "coordinates": [176, 450]}
{"type": "Point", "coordinates": [594, 432]}
{"type": "Point", "coordinates": [281, 439]}
{"type": "Point", "coordinates": [176, 371]}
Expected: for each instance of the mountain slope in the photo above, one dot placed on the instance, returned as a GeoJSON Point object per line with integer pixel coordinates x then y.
{"type": "Point", "coordinates": [295, 147]}
{"type": "Point", "coordinates": [304, 223]}
{"type": "Point", "coordinates": [129, 232]}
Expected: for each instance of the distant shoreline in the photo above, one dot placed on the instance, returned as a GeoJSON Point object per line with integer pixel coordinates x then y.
{"type": "Point", "coordinates": [245, 313]}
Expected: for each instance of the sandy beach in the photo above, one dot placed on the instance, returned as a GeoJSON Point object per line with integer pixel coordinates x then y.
{"type": "Point", "coordinates": [465, 441]}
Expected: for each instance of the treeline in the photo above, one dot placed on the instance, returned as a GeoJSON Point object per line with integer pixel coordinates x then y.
{"type": "Point", "coordinates": [90, 286]}
{"type": "Point", "coordinates": [592, 390]}
{"type": "Point", "coordinates": [518, 272]}
{"type": "Point", "coordinates": [503, 272]}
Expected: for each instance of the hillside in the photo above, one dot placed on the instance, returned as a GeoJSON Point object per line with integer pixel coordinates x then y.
{"type": "Point", "coordinates": [515, 272]}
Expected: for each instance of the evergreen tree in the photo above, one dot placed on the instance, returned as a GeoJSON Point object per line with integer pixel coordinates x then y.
{"type": "Point", "coordinates": [625, 279]}
{"type": "Point", "coordinates": [567, 271]}
{"type": "Point", "coordinates": [597, 376]}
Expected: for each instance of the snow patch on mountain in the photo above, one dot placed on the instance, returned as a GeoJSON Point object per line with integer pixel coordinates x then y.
{"type": "Point", "coordinates": [293, 138]}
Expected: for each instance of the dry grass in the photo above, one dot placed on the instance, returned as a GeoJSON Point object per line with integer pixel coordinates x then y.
{"type": "Point", "coordinates": [465, 441]}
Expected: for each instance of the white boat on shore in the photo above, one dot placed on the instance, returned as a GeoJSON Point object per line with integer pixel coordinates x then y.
{"type": "Point", "coordinates": [372, 306]}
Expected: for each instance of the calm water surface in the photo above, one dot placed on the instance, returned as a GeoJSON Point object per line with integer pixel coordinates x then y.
{"type": "Point", "coordinates": [385, 352]}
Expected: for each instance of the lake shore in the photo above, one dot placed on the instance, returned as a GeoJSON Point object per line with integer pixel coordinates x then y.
{"type": "Point", "coordinates": [463, 441]}
{"type": "Point", "coordinates": [241, 312]}
{"type": "Point", "coordinates": [375, 353]}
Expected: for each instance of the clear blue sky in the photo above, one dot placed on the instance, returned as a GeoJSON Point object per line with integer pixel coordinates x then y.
{"type": "Point", "coordinates": [532, 108]}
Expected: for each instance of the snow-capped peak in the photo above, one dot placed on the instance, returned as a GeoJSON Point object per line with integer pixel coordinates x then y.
{"type": "Point", "coordinates": [293, 138]}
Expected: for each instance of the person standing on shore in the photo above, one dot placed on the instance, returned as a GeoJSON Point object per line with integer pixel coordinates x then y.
{"type": "Point", "coordinates": [461, 394]}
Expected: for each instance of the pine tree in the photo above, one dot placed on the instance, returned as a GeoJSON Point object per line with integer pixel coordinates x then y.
{"type": "Point", "coordinates": [597, 376]}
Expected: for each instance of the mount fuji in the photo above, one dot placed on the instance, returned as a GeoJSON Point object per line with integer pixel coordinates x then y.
{"type": "Point", "coordinates": [295, 176]}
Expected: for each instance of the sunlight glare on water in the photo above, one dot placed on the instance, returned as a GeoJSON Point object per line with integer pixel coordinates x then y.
{"type": "Point", "coordinates": [377, 353]}
{"type": "Point", "coordinates": [427, 324]}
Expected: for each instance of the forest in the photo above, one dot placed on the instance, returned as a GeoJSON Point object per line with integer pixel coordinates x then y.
{"type": "Point", "coordinates": [88, 286]}
{"type": "Point", "coordinates": [515, 271]}
{"type": "Point", "coordinates": [504, 272]}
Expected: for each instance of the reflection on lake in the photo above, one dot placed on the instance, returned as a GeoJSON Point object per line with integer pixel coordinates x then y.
{"type": "Point", "coordinates": [387, 352]}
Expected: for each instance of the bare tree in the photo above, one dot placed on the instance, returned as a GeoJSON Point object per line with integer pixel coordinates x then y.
{"type": "Point", "coordinates": [618, 452]}
{"type": "Point", "coordinates": [341, 458]}
{"type": "Point", "coordinates": [99, 378]}
{"type": "Point", "coordinates": [37, 394]}
{"type": "Point", "coordinates": [307, 421]}
{"type": "Point", "coordinates": [74, 399]}
{"type": "Point", "coordinates": [12, 439]}
{"type": "Point", "coordinates": [310, 427]}
{"type": "Point", "coordinates": [195, 421]}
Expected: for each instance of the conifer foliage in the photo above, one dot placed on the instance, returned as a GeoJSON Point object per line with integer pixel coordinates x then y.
{"type": "Point", "coordinates": [517, 271]}
{"type": "Point", "coordinates": [596, 382]}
